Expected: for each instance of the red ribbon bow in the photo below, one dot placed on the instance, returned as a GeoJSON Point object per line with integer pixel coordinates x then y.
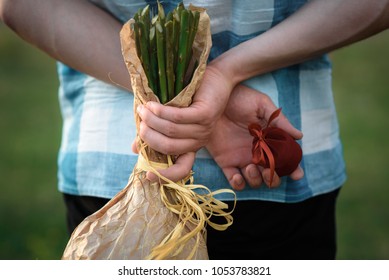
{"type": "Point", "coordinates": [274, 148]}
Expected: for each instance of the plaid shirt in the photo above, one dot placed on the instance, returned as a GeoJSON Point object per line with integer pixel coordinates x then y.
{"type": "Point", "coordinates": [95, 157]}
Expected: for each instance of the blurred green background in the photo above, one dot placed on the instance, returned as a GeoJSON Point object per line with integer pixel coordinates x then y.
{"type": "Point", "coordinates": [32, 215]}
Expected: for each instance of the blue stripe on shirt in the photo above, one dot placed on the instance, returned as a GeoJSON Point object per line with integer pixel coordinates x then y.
{"type": "Point", "coordinates": [71, 98]}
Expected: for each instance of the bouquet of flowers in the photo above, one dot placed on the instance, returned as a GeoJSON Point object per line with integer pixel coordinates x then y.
{"type": "Point", "coordinates": [166, 58]}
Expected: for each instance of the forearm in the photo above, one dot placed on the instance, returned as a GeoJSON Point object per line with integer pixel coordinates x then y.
{"type": "Point", "coordinates": [74, 32]}
{"type": "Point", "coordinates": [317, 28]}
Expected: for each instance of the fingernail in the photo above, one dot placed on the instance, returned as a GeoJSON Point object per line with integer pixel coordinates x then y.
{"type": "Point", "coordinates": [266, 177]}
{"type": "Point", "coordinates": [148, 105]}
{"type": "Point", "coordinates": [239, 183]}
{"type": "Point", "coordinates": [253, 173]}
{"type": "Point", "coordinates": [139, 108]}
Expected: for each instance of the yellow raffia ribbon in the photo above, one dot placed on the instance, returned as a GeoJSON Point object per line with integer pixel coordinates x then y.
{"type": "Point", "coordinates": [194, 209]}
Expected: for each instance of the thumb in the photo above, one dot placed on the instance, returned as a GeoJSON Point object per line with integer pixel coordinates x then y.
{"type": "Point", "coordinates": [178, 171]}
{"type": "Point", "coordinates": [134, 147]}
{"type": "Point", "coordinates": [282, 122]}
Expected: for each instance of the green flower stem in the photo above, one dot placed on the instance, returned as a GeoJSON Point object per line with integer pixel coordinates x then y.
{"type": "Point", "coordinates": [161, 62]}
{"type": "Point", "coordinates": [182, 49]}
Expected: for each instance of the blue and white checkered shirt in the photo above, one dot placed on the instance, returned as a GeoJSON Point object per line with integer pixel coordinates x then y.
{"type": "Point", "coordinates": [95, 157]}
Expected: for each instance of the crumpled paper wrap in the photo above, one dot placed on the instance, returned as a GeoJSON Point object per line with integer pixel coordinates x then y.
{"type": "Point", "coordinates": [163, 220]}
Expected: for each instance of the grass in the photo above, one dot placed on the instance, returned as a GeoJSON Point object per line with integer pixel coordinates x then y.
{"type": "Point", "coordinates": [32, 215]}
{"type": "Point", "coordinates": [31, 209]}
{"type": "Point", "coordinates": [361, 89]}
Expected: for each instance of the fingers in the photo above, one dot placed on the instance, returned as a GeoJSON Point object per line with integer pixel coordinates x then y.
{"type": "Point", "coordinates": [263, 106]}
{"type": "Point", "coordinates": [178, 171]}
{"type": "Point", "coordinates": [297, 174]}
{"type": "Point", "coordinates": [266, 175]}
{"type": "Point", "coordinates": [166, 145]}
{"type": "Point", "coordinates": [276, 182]}
{"type": "Point", "coordinates": [255, 177]}
{"type": "Point", "coordinates": [282, 122]}
{"type": "Point", "coordinates": [235, 178]}
{"type": "Point", "coordinates": [252, 175]}
{"type": "Point", "coordinates": [169, 137]}
{"type": "Point", "coordinates": [167, 127]}
{"type": "Point", "coordinates": [187, 115]}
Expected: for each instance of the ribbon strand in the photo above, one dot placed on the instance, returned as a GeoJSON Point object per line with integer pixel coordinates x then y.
{"type": "Point", "coordinates": [194, 209]}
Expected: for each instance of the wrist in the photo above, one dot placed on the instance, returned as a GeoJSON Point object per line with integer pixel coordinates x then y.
{"type": "Point", "coordinates": [223, 66]}
{"type": "Point", "coordinates": [243, 61]}
{"type": "Point", "coordinates": [219, 80]}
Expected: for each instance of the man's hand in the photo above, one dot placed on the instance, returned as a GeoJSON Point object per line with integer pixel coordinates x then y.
{"type": "Point", "coordinates": [176, 131]}
{"type": "Point", "coordinates": [230, 143]}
